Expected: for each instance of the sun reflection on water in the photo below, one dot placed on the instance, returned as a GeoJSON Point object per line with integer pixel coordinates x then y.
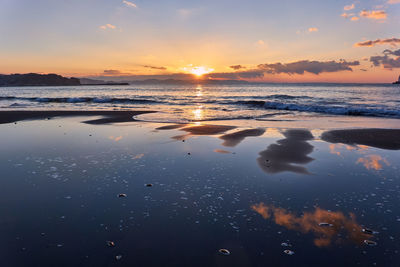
{"type": "Point", "coordinates": [199, 91]}
{"type": "Point", "coordinates": [198, 113]}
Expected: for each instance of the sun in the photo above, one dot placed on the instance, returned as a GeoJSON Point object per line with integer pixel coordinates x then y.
{"type": "Point", "coordinates": [198, 70]}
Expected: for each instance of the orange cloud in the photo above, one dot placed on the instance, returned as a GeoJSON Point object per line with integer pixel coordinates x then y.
{"type": "Point", "coordinates": [327, 226]}
{"type": "Point", "coordinates": [313, 29]}
{"type": "Point", "coordinates": [349, 7]}
{"type": "Point", "coordinates": [374, 162]}
{"type": "Point", "coordinates": [374, 14]}
{"type": "Point", "coordinates": [108, 26]}
{"type": "Point", "coordinates": [370, 43]}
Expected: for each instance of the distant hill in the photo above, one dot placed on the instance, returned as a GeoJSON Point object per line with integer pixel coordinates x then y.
{"type": "Point", "coordinates": [34, 79]}
{"type": "Point", "coordinates": [87, 81]}
{"type": "Point", "coordinates": [398, 81]}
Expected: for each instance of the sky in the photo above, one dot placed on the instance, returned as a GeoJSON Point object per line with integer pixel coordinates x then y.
{"type": "Point", "coordinates": [256, 40]}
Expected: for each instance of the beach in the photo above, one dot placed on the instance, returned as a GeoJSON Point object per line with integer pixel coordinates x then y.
{"type": "Point", "coordinates": [268, 192]}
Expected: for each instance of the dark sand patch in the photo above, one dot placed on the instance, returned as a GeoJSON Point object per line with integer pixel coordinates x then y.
{"type": "Point", "coordinates": [233, 139]}
{"type": "Point", "coordinates": [207, 129]}
{"type": "Point", "coordinates": [108, 116]}
{"type": "Point", "coordinates": [202, 130]}
{"type": "Point", "coordinates": [379, 138]}
{"type": "Point", "coordinates": [171, 127]}
{"type": "Point", "coordinates": [287, 153]}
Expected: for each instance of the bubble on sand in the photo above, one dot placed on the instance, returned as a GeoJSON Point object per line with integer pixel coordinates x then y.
{"type": "Point", "coordinates": [370, 243]}
{"type": "Point", "coordinates": [288, 252]}
{"type": "Point", "coordinates": [324, 224]}
{"type": "Point", "coordinates": [369, 231]}
{"type": "Point", "coordinates": [224, 251]}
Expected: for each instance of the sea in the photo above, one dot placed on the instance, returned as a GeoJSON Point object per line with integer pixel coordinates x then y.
{"type": "Point", "coordinates": [188, 103]}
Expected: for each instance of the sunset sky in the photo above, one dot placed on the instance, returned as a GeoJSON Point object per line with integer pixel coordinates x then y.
{"type": "Point", "coordinates": [276, 41]}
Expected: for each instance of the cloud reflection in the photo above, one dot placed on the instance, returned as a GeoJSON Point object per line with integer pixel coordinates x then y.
{"type": "Point", "coordinates": [287, 153]}
{"type": "Point", "coordinates": [373, 162]}
{"type": "Point", "coordinates": [342, 226]}
{"type": "Point", "coordinates": [115, 138]}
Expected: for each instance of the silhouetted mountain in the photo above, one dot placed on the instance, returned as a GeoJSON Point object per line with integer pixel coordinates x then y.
{"type": "Point", "coordinates": [87, 81]}
{"type": "Point", "coordinates": [34, 79]}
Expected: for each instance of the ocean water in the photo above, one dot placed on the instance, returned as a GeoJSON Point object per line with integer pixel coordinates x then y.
{"type": "Point", "coordinates": [177, 103]}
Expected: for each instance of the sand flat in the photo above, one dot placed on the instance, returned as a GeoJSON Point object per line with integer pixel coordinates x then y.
{"type": "Point", "coordinates": [379, 138]}
{"type": "Point", "coordinates": [108, 116]}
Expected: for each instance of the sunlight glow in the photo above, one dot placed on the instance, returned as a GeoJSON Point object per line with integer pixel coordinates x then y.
{"type": "Point", "coordinates": [199, 91]}
{"type": "Point", "coordinates": [198, 70]}
{"type": "Point", "coordinates": [198, 113]}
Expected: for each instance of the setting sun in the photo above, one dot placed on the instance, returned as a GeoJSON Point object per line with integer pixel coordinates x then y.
{"type": "Point", "coordinates": [198, 70]}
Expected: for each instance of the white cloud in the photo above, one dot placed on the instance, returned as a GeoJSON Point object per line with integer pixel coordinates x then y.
{"type": "Point", "coordinates": [130, 4]}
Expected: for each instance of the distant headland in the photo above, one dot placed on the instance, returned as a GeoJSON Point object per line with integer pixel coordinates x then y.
{"type": "Point", "coordinates": [35, 79]}
{"type": "Point", "coordinates": [398, 81]}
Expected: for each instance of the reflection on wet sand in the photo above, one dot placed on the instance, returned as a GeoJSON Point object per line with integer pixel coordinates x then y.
{"type": "Point", "coordinates": [333, 148]}
{"type": "Point", "coordinates": [203, 130]}
{"type": "Point", "coordinates": [380, 138]}
{"type": "Point", "coordinates": [287, 152]}
{"type": "Point", "coordinates": [115, 138]}
{"type": "Point", "coordinates": [373, 162]}
{"type": "Point", "coordinates": [327, 226]}
{"type": "Point", "coordinates": [233, 139]}
{"type": "Point", "coordinates": [221, 151]}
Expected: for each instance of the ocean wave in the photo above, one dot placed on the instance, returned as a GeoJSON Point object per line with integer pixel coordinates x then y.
{"type": "Point", "coordinates": [325, 109]}
{"type": "Point", "coordinates": [280, 102]}
{"type": "Point", "coordinates": [81, 100]}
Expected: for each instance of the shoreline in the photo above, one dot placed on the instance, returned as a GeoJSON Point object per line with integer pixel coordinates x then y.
{"type": "Point", "coordinates": [384, 138]}
{"type": "Point", "coordinates": [116, 116]}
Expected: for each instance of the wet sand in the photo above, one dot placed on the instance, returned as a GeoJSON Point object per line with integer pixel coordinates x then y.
{"type": "Point", "coordinates": [91, 185]}
{"type": "Point", "coordinates": [108, 116]}
{"type": "Point", "coordinates": [379, 138]}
